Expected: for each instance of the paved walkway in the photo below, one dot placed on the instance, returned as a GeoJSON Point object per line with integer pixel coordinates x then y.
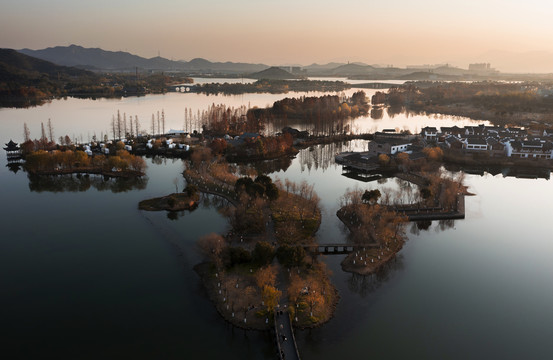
{"type": "Point", "coordinates": [285, 336]}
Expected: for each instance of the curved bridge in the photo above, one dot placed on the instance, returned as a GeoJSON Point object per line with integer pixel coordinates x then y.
{"type": "Point", "coordinates": [183, 88]}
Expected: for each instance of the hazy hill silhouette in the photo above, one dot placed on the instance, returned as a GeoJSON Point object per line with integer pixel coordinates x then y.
{"type": "Point", "coordinates": [24, 69]}
{"type": "Point", "coordinates": [95, 58]}
{"type": "Point", "coordinates": [273, 73]}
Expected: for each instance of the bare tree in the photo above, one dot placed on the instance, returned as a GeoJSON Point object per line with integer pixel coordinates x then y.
{"type": "Point", "coordinates": [158, 121]}
{"type": "Point", "coordinates": [131, 126]}
{"type": "Point", "coordinates": [43, 138]}
{"type": "Point", "coordinates": [163, 121]}
{"type": "Point", "coordinates": [125, 125]}
{"type": "Point", "coordinates": [185, 127]}
{"type": "Point", "coordinates": [137, 125]}
{"type": "Point", "coordinates": [113, 126]}
{"type": "Point", "coordinates": [26, 132]}
{"type": "Point", "coordinates": [119, 125]}
{"type": "Point", "coordinates": [50, 130]}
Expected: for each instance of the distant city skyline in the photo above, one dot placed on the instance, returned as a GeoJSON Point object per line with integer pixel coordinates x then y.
{"type": "Point", "coordinates": [511, 35]}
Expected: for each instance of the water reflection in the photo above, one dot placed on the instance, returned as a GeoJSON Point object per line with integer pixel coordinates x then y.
{"type": "Point", "coordinates": [377, 113]}
{"type": "Point", "coordinates": [364, 285]}
{"type": "Point", "coordinates": [322, 156]}
{"type": "Point", "coordinates": [175, 215]}
{"type": "Point", "coordinates": [418, 226]}
{"type": "Point", "coordinates": [271, 166]}
{"type": "Point", "coordinates": [14, 167]}
{"type": "Point", "coordinates": [444, 225]}
{"type": "Point", "coordinates": [80, 183]}
{"type": "Point", "coordinates": [520, 172]}
{"type": "Point", "coordinates": [393, 111]}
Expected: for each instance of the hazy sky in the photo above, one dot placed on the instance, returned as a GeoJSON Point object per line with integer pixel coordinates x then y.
{"type": "Point", "coordinates": [397, 32]}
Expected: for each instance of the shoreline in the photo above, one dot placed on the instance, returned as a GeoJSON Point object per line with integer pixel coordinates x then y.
{"type": "Point", "coordinates": [358, 262]}
{"type": "Point", "coordinates": [114, 174]}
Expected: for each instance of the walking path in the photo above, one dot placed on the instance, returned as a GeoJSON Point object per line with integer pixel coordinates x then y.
{"type": "Point", "coordinates": [286, 342]}
{"type": "Point", "coordinates": [284, 333]}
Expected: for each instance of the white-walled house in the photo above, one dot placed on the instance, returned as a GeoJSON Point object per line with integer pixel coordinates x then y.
{"type": "Point", "coordinates": [475, 144]}
{"type": "Point", "coordinates": [429, 133]}
{"type": "Point", "coordinates": [534, 149]}
{"type": "Point", "coordinates": [389, 147]}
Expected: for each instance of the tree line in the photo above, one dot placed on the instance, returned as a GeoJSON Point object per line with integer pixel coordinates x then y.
{"type": "Point", "coordinates": [500, 102]}
{"type": "Point", "coordinates": [272, 86]}
{"type": "Point", "coordinates": [78, 161]}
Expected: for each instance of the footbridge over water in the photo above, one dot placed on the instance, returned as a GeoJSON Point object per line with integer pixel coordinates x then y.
{"type": "Point", "coordinates": [375, 85]}
{"type": "Point", "coordinates": [285, 339]}
{"type": "Point", "coordinates": [336, 249]}
{"type": "Point", "coordinates": [183, 88]}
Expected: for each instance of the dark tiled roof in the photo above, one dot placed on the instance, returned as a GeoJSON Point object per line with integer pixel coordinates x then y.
{"type": "Point", "coordinates": [476, 141]}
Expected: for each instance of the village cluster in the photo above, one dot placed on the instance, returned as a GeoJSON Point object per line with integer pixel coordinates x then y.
{"type": "Point", "coordinates": [493, 141]}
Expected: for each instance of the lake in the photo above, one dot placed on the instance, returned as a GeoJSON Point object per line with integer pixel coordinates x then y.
{"type": "Point", "coordinates": [85, 274]}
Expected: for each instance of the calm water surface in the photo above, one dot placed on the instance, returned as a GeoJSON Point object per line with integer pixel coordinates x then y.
{"type": "Point", "coordinates": [85, 274]}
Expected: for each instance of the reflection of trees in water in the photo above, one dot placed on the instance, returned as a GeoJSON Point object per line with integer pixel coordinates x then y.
{"type": "Point", "coordinates": [315, 126]}
{"type": "Point", "coordinates": [377, 113]}
{"type": "Point", "coordinates": [441, 225]}
{"type": "Point", "coordinates": [158, 160]}
{"type": "Point", "coordinates": [445, 225]}
{"type": "Point", "coordinates": [394, 110]}
{"type": "Point", "coordinates": [418, 226]}
{"type": "Point", "coordinates": [321, 156]}
{"type": "Point", "coordinates": [207, 201]}
{"type": "Point", "coordinates": [80, 183]}
{"type": "Point", "coordinates": [366, 284]}
{"type": "Point", "coordinates": [274, 165]}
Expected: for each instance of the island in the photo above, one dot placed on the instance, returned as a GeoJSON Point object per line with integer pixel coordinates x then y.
{"type": "Point", "coordinates": [187, 200]}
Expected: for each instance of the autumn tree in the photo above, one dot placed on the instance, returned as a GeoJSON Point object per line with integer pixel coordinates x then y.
{"type": "Point", "coordinates": [371, 196]}
{"type": "Point", "coordinates": [212, 246]}
{"type": "Point", "coordinates": [270, 296]}
{"type": "Point", "coordinates": [314, 296]}
{"type": "Point", "coordinates": [266, 276]}
{"type": "Point", "coordinates": [433, 153]}
{"type": "Point", "coordinates": [295, 288]}
{"type": "Point", "coordinates": [383, 160]}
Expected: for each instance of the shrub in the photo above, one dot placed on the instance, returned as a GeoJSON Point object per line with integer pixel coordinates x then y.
{"type": "Point", "coordinates": [238, 255]}
{"type": "Point", "coordinates": [290, 255]}
{"type": "Point", "coordinates": [263, 253]}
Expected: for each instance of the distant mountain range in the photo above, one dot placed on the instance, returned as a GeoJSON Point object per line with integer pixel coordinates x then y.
{"type": "Point", "coordinates": [101, 60]}
{"type": "Point", "coordinates": [27, 70]}
{"type": "Point", "coordinates": [98, 59]}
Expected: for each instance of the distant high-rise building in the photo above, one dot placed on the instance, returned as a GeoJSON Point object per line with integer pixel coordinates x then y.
{"type": "Point", "coordinates": [480, 67]}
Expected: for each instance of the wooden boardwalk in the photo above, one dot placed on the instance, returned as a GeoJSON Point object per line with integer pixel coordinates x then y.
{"type": "Point", "coordinates": [434, 213]}
{"type": "Point", "coordinates": [335, 249]}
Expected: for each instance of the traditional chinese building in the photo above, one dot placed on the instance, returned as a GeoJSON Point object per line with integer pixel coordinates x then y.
{"type": "Point", "coordinates": [13, 151]}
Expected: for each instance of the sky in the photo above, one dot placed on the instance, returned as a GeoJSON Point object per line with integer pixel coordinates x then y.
{"type": "Point", "coordinates": [511, 35]}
